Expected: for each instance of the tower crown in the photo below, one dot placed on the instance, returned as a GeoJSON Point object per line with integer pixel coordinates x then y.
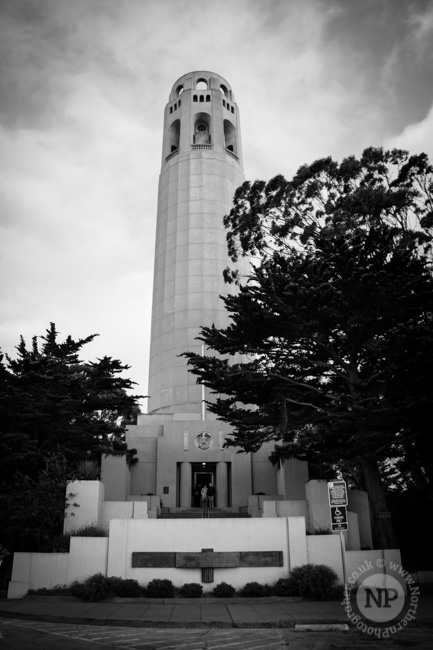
{"type": "Point", "coordinates": [201, 114]}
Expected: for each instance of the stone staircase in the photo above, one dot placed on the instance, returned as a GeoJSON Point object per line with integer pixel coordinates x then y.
{"type": "Point", "coordinates": [196, 513]}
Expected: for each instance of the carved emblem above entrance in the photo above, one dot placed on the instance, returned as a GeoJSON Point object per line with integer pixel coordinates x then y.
{"type": "Point", "coordinates": [204, 441]}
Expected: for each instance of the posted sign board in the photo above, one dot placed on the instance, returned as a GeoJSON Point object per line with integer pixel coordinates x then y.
{"type": "Point", "coordinates": [337, 492]}
{"type": "Point", "coordinates": [338, 517]}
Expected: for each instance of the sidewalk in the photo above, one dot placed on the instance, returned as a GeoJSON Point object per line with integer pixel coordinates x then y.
{"type": "Point", "coordinates": [270, 612]}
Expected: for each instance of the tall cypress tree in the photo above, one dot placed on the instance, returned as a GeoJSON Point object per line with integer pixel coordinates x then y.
{"type": "Point", "coordinates": [335, 319]}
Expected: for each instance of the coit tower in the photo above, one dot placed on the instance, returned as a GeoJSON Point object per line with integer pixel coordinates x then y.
{"type": "Point", "coordinates": [201, 169]}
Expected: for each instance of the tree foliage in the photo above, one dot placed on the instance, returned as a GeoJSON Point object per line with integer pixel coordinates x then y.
{"type": "Point", "coordinates": [335, 318]}
{"type": "Point", "coordinates": [52, 403]}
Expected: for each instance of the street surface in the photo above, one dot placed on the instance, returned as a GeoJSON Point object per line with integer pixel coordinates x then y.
{"type": "Point", "coordinates": [21, 634]}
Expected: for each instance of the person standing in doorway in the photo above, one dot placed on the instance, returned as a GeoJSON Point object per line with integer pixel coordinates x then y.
{"type": "Point", "coordinates": [203, 498]}
{"type": "Point", "coordinates": [211, 495]}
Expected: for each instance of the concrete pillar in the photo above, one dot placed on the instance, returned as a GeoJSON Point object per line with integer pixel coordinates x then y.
{"type": "Point", "coordinates": [185, 485]}
{"type": "Point", "coordinates": [318, 505]}
{"type": "Point", "coordinates": [292, 476]}
{"type": "Point", "coordinates": [116, 477]}
{"type": "Point", "coordinates": [358, 502]}
{"type": "Point", "coordinates": [221, 485]}
{"type": "Point", "coordinates": [297, 541]}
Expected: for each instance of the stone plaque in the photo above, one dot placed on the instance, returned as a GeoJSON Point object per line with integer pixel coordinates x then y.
{"type": "Point", "coordinates": [207, 559]}
{"type": "Point", "coordinates": [213, 560]}
{"type": "Point", "coordinates": [261, 558]}
{"type": "Point", "coordinates": [142, 560]}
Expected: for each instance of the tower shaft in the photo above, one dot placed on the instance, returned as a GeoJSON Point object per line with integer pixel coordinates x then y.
{"type": "Point", "coordinates": [201, 169]}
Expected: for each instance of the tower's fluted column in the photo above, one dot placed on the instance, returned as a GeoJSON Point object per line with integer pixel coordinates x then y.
{"type": "Point", "coordinates": [201, 169]}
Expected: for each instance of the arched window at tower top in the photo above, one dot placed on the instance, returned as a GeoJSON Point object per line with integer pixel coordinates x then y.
{"type": "Point", "coordinates": [201, 84]}
{"type": "Point", "coordinates": [202, 124]}
{"type": "Point", "coordinates": [230, 139]}
{"type": "Point", "coordinates": [179, 90]}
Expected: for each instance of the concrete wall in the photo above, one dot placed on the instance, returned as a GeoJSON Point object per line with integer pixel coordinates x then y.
{"type": "Point", "coordinates": [116, 477]}
{"type": "Point", "coordinates": [113, 556]}
{"type": "Point", "coordinates": [264, 474]}
{"type": "Point", "coordinates": [128, 536]}
{"type": "Point", "coordinates": [37, 570]}
{"type": "Point", "coordinates": [319, 511]}
{"type": "Point", "coordinates": [326, 549]}
{"type": "Point", "coordinates": [144, 438]}
{"type": "Point", "coordinates": [292, 477]}
{"type": "Point", "coordinates": [256, 504]}
{"type": "Point", "coordinates": [84, 504]}
{"type": "Point", "coordinates": [123, 510]}
{"type": "Point", "coordinates": [285, 509]}
{"type": "Point", "coordinates": [358, 503]}
{"type": "Point", "coordinates": [87, 556]}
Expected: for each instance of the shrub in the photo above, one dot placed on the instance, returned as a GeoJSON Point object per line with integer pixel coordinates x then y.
{"type": "Point", "coordinates": [160, 589]}
{"type": "Point", "coordinates": [191, 590]}
{"type": "Point", "coordinates": [254, 590]}
{"type": "Point", "coordinates": [223, 590]}
{"type": "Point", "coordinates": [57, 590]}
{"type": "Point", "coordinates": [97, 587]}
{"type": "Point", "coordinates": [320, 530]}
{"type": "Point", "coordinates": [285, 587]}
{"type": "Point", "coordinates": [125, 588]}
{"type": "Point", "coordinates": [57, 544]}
{"type": "Point", "coordinates": [90, 530]}
{"type": "Point", "coordinates": [313, 581]}
{"type": "Point", "coordinates": [88, 470]}
{"type": "Point", "coordinates": [336, 593]}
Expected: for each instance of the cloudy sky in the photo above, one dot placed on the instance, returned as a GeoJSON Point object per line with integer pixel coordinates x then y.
{"type": "Point", "coordinates": [82, 93]}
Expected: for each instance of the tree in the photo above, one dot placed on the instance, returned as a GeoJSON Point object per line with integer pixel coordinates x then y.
{"type": "Point", "coordinates": [334, 319]}
{"type": "Point", "coordinates": [54, 403]}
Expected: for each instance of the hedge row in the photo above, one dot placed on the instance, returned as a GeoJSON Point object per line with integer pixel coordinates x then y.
{"type": "Point", "coordinates": [311, 581]}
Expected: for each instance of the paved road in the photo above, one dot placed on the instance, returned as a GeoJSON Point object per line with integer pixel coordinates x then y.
{"type": "Point", "coordinates": [19, 634]}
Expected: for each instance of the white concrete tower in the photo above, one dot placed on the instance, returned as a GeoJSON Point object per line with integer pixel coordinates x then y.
{"type": "Point", "coordinates": [201, 169]}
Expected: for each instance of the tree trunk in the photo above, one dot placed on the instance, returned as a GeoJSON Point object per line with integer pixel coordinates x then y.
{"type": "Point", "coordinates": [382, 528]}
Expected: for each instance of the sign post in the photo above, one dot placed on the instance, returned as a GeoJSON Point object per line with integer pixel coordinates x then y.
{"type": "Point", "coordinates": [337, 492]}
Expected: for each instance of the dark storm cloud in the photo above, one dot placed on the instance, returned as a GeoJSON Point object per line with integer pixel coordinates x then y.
{"type": "Point", "coordinates": [389, 45]}
{"type": "Point", "coordinates": [44, 44]}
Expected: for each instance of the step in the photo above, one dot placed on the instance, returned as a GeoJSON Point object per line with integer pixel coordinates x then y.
{"type": "Point", "coordinates": [196, 513]}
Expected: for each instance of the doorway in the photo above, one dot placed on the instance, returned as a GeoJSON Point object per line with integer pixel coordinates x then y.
{"type": "Point", "coordinates": [202, 474]}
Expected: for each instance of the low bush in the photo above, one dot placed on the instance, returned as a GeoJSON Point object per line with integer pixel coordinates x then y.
{"type": "Point", "coordinates": [313, 581]}
{"type": "Point", "coordinates": [125, 588]}
{"type": "Point", "coordinates": [97, 587]}
{"type": "Point", "coordinates": [160, 589]}
{"type": "Point", "coordinates": [90, 530]}
{"type": "Point", "coordinates": [57, 544]}
{"type": "Point", "coordinates": [57, 590]}
{"type": "Point", "coordinates": [336, 593]}
{"type": "Point", "coordinates": [191, 590]}
{"type": "Point", "coordinates": [223, 590]}
{"type": "Point", "coordinates": [285, 587]}
{"type": "Point", "coordinates": [254, 590]}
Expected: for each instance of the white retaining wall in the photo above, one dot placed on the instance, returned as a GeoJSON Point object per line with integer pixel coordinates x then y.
{"type": "Point", "coordinates": [128, 536]}
{"type": "Point", "coordinates": [112, 555]}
